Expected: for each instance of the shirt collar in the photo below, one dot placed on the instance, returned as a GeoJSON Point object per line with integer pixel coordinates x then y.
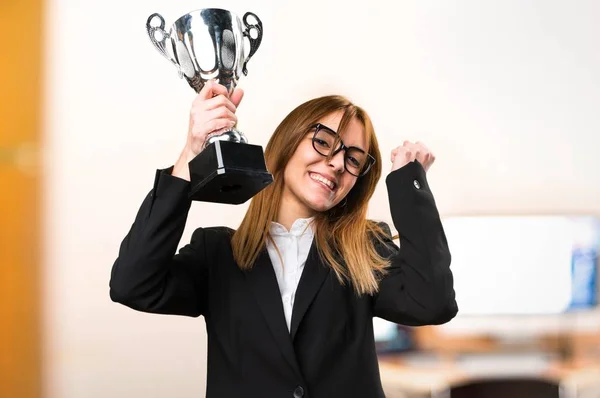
{"type": "Point", "coordinates": [301, 226]}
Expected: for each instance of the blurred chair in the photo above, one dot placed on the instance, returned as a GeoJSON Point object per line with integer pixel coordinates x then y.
{"type": "Point", "coordinates": [399, 392]}
{"type": "Point", "coordinates": [503, 388]}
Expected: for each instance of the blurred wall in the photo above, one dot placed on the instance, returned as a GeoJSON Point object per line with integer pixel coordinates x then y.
{"type": "Point", "coordinates": [505, 93]}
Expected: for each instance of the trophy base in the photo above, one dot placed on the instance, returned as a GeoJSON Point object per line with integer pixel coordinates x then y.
{"type": "Point", "coordinates": [228, 172]}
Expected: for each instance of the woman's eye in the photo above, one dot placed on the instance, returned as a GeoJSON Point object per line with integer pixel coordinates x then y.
{"type": "Point", "coordinates": [322, 143]}
{"type": "Point", "coordinates": [354, 162]}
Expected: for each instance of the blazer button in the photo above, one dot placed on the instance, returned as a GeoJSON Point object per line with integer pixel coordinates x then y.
{"type": "Point", "coordinates": [299, 392]}
{"type": "Point", "coordinates": [417, 184]}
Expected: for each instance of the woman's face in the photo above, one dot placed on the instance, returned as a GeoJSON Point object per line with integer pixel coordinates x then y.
{"type": "Point", "coordinates": [311, 182]}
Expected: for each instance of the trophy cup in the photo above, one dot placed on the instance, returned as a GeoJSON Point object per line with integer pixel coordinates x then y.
{"type": "Point", "coordinates": [208, 44]}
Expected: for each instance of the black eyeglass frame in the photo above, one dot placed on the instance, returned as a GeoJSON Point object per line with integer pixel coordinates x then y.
{"type": "Point", "coordinates": [370, 159]}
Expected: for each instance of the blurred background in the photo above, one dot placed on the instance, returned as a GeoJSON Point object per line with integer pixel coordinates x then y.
{"type": "Point", "coordinates": [505, 93]}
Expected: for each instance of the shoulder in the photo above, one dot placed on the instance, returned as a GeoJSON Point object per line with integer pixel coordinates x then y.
{"type": "Point", "coordinates": [212, 235]}
{"type": "Point", "coordinates": [220, 232]}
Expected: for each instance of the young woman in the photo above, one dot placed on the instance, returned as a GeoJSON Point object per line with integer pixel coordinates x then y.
{"type": "Point", "coordinates": [289, 297]}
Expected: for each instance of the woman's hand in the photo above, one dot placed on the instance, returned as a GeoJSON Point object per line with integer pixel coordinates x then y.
{"type": "Point", "coordinates": [409, 152]}
{"type": "Point", "coordinates": [212, 111]}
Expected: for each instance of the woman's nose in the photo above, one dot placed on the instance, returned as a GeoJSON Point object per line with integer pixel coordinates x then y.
{"type": "Point", "coordinates": [337, 162]}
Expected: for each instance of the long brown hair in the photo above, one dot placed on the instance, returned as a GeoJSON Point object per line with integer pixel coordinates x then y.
{"type": "Point", "coordinates": [343, 235]}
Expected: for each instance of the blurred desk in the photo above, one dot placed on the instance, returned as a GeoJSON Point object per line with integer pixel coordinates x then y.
{"type": "Point", "coordinates": [425, 375]}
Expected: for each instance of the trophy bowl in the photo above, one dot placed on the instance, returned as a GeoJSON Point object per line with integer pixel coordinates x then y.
{"type": "Point", "coordinates": [210, 44]}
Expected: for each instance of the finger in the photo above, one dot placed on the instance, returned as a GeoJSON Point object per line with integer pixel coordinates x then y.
{"type": "Point", "coordinates": [211, 89]}
{"type": "Point", "coordinates": [398, 152]}
{"type": "Point", "coordinates": [403, 156]}
{"type": "Point", "coordinates": [418, 151]}
{"type": "Point", "coordinates": [218, 102]}
{"type": "Point", "coordinates": [412, 146]}
{"type": "Point", "coordinates": [411, 155]}
{"type": "Point", "coordinates": [423, 146]}
{"type": "Point", "coordinates": [221, 113]}
{"type": "Point", "coordinates": [425, 156]}
{"type": "Point", "coordinates": [429, 159]}
{"type": "Point", "coordinates": [415, 150]}
{"type": "Point", "coordinates": [236, 96]}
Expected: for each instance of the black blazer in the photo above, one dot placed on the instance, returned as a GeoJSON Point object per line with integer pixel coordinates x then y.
{"type": "Point", "coordinates": [330, 351]}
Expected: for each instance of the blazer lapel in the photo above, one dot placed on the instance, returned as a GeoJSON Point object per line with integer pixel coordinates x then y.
{"type": "Point", "coordinates": [313, 276]}
{"type": "Point", "coordinates": [266, 290]}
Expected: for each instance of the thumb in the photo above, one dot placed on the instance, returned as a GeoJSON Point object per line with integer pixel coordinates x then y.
{"type": "Point", "coordinates": [211, 89]}
{"type": "Point", "coordinates": [236, 96]}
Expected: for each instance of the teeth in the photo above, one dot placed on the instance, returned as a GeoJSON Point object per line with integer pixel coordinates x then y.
{"type": "Point", "coordinates": [323, 180]}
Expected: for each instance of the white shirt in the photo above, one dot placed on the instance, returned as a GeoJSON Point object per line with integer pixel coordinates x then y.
{"type": "Point", "coordinates": [293, 246]}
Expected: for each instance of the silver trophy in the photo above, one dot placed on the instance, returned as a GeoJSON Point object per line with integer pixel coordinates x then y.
{"type": "Point", "coordinates": [209, 44]}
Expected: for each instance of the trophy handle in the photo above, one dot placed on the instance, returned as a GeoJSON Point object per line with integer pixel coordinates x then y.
{"type": "Point", "coordinates": [254, 42]}
{"type": "Point", "coordinates": [161, 45]}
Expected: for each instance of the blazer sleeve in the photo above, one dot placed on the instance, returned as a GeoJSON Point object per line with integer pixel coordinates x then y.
{"type": "Point", "coordinates": [418, 287]}
{"type": "Point", "coordinates": [148, 275]}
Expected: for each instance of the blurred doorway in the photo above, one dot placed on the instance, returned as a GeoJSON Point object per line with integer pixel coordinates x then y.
{"type": "Point", "coordinates": [20, 243]}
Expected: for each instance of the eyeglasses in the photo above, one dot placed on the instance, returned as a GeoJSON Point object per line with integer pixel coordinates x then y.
{"type": "Point", "coordinates": [328, 143]}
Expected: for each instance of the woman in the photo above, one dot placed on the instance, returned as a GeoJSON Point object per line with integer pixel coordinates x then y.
{"type": "Point", "coordinates": [289, 297]}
